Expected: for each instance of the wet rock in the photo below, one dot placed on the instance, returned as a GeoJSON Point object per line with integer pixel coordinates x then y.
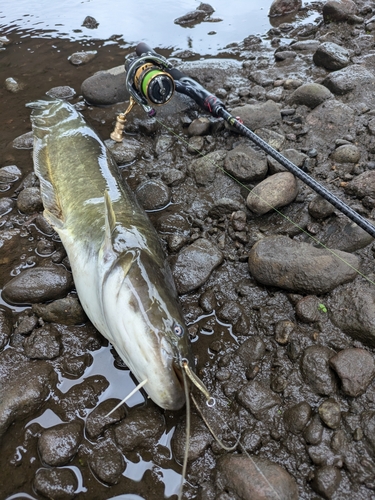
{"type": "Point", "coordinates": [106, 87]}
{"type": "Point", "coordinates": [363, 185]}
{"type": "Point", "coordinates": [194, 264]}
{"type": "Point", "coordinates": [299, 267]}
{"type": "Point", "coordinates": [296, 157]}
{"type": "Point", "coordinates": [297, 417]}
{"type": "Point", "coordinates": [66, 311]}
{"type": "Point", "coordinates": [347, 236]}
{"type": "Point", "coordinates": [283, 330]}
{"type": "Point", "coordinates": [326, 481]}
{"type": "Point", "coordinates": [43, 343]}
{"type": "Point", "coordinates": [27, 386]}
{"type": "Point", "coordinates": [200, 439]}
{"type": "Point", "coordinates": [246, 164]}
{"type": "Point", "coordinates": [38, 284]}
{"type": "Point", "coordinates": [344, 80]}
{"type": "Point", "coordinates": [59, 484]}
{"type": "Point", "coordinates": [368, 426]}
{"type": "Point", "coordinates": [313, 433]}
{"type": "Point", "coordinates": [61, 92]}
{"type": "Point", "coordinates": [90, 23]}
{"type": "Point", "coordinates": [355, 368]}
{"type": "Point", "coordinates": [26, 324]}
{"type": "Point", "coordinates": [97, 421]}
{"type": "Point", "coordinates": [199, 126]}
{"type": "Point", "coordinates": [308, 309]}
{"type": "Point", "coordinates": [75, 366]}
{"type": "Point", "coordinates": [276, 191]}
{"type": "Point", "coordinates": [29, 200]}
{"type": "Point", "coordinates": [57, 445]}
{"type": "Point", "coordinates": [319, 208]}
{"type": "Point", "coordinates": [173, 177]}
{"type": "Point", "coordinates": [252, 478]}
{"type": "Point", "coordinates": [6, 325]}
{"type": "Point", "coordinates": [125, 151]}
{"type": "Point", "coordinates": [81, 396]}
{"type": "Point", "coordinates": [107, 462]}
{"type": "Point", "coordinates": [330, 413]}
{"type": "Point", "coordinates": [201, 13]}
{"type": "Point", "coordinates": [12, 85]}
{"type": "Point", "coordinates": [331, 56]}
{"type": "Point", "coordinates": [260, 115]}
{"type": "Point", "coordinates": [257, 399]}
{"type": "Point", "coordinates": [347, 153]}
{"type": "Point", "coordinates": [195, 144]}
{"type": "Point", "coordinates": [6, 205]}
{"type": "Point", "coordinates": [204, 169]}
{"type": "Point", "coordinates": [352, 309]}
{"type": "Point", "coordinates": [24, 141]}
{"type": "Point", "coordinates": [305, 45]}
{"type": "Point", "coordinates": [316, 370]}
{"type": "Point", "coordinates": [142, 428]}
{"type": "Point", "coordinates": [310, 94]}
{"type": "Point", "coordinates": [9, 174]}
{"type": "Point", "coordinates": [83, 57]}
{"type": "Point", "coordinates": [284, 7]}
{"type": "Point", "coordinates": [253, 349]}
{"type": "Point", "coordinates": [225, 206]}
{"type": "Point", "coordinates": [274, 139]}
{"type": "Point", "coordinates": [153, 194]}
{"type": "Point", "coordinates": [339, 10]}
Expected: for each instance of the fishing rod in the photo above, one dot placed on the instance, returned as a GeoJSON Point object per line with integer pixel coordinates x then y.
{"type": "Point", "coordinates": [151, 81]}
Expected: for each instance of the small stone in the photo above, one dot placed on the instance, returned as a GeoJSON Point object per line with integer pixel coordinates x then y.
{"type": "Point", "coordinates": [75, 366]}
{"type": "Point", "coordinates": [347, 79]}
{"type": "Point", "coordinates": [330, 413]}
{"type": "Point", "coordinates": [255, 116]}
{"type": "Point", "coordinates": [339, 10]}
{"type": "Point", "coordinates": [90, 23]}
{"type": "Point", "coordinates": [12, 85]}
{"type": "Point", "coordinates": [97, 421]}
{"type": "Point", "coordinates": [297, 417]}
{"type": "Point", "coordinates": [316, 371]}
{"type": "Point", "coordinates": [331, 56]}
{"type": "Point", "coordinates": [313, 433]}
{"type": "Point", "coordinates": [310, 94]}
{"type": "Point", "coordinates": [326, 481]}
{"type": "Point", "coordinates": [153, 194]}
{"type": "Point", "coordinates": [59, 484]}
{"type": "Point", "coordinates": [347, 153]}
{"type": "Point", "coordinates": [284, 7]}
{"type": "Point", "coordinates": [43, 343]}
{"type": "Point", "coordinates": [283, 329]}
{"type": "Point", "coordinates": [199, 126]}
{"type": "Point", "coordinates": [29, 200]}
{"type": "Point", "coordinates": [308, 309]}
{"type": "Point", "coordinates": [24, 141]}
{"type": "Point", "coordinates": [107, 462]}
{"type": "Point", "coordinates": [257, 399]}
{"type": "Point", "coordinates": [276, 191]}
{"type": "Point", "coordinates": [6, 324]}
{"type": "Point", "coordinates": [6, 205]}
{"type": "Point", "coordinates": [246, 164]}
{"type": "Point", "coordinates": [79, 58]}
{"type": "Point", "coordinates": [319, 208]}
{"type": "Point", "coordinates": [200, 439]}
{"type": "Point", "coordinates": [62, 92]}
{"type": "Point", "coordinates": [57, 445]}
{"type": "Point", "coordinates": [66, 311]}
{"type": "Point", "coordinates": [356, 369]}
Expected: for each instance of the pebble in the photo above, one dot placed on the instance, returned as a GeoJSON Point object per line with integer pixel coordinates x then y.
{"type": "Point", "coordinates": [204, 169]}
{"type": "Point", "coordinates": [81, 396]}
{"type": "Point", "coordinates": [274, 139]}
{"type": "Point", "coordinates": [194, 264]}
{"type": "Point", "coordinates": [368, 427]}
{"type": "Point", "coordinates": [326, 481]}
{"type": "Point", "coordinates": [6, 326]}
{"type": "Point", "coordinates": [225, 206]}
{"type": "Point", "coordinates": [347, 153]}
{"type": "Point", "coordinates": [200, 439]}
{"type": "Point", "coordinates": [253, 478]}
{"type": "Point", "coordinates": [319, 208]}
{"type": "Point", "coordinates": [283, 330]}
{"type": "Point", "coordinates": [12, 85]}
{"type": "Point", "coordinates": [355, 368]}
{"type": "Point", "coordinates": [297, 417]}
{"type": "Point", "coordinates": [61, 92]}
{"type": "Point", "coordinates": [26, 324]}
{"type": "Point", "coordinates": [173, 177]}
{"type": "Point", "coordinates": [347, 79]}
{"type": "Point", "coordinates": [6, 205]}
{"type": "Point", "coordinates": [313, 432]}
{"type": "Point", "coordinates": [126, 151]}
{"type": "Point", "coordinates": [79, 58]}
{"type": "Point", "coordinates": [38, 284]}
{"type": "Point", "coordinates": [246, 164]}
{"type": "Point", "coordinates": [153, 194]}
{"type": "Point", "coordinates": [253, 349]}
{"type": "Point", "coordinates": [284, 7]}
{"type": "Point", "coordinates": [259, 115]}
{"type": "Point", "coordinates": [195, 144]}
{"type": "Point", "coordinates": [310, 95]}
{"type": "Point", "coordinates": [199, 126]}
{"type": "Point", "coordinates": [281, 56]}
{"type": "Point", "coordinates": [346, 235]}
{"type": "Point", "coordinates": [29, 200]}
{"type": "Point", "coordinates": [107, 462]}
{"type": "Point", "coordinates": [57, 445]}
{"type": "Point", "coordinates": [257, 399]}
{"type": "Point", "coordinates": [58, 484]}
{"type": "Point", "coordinates": [75, 366]}
{"type": "Point", "coordinates": [43, 343]}
{"type": "Point", "coordinates": [316, 371]}
{"type": "Point", "coordinates": [309, 310]}
{"type": "Point", "coordinates": [90, 23]}
{"type": "Point", "coordinates": [339, 10]}
{"type": "Point", "coordinates": [296, 157]}
{"type": "Point", "coordinates": [98, 421]}
{"type": "Point", "coordinates": [276, 191]}
{"type": "Point", "coordinates": [66, 311]}
{"type": "Point", "coordinates": [362, 185]}
{"type": "Point", "coordinates": [330, 413]}
{"type": "Point", "coordinates": [299, 267]}
{"type": "Point", "coordinates": [9, 174]}
{"type": "Point", "coordinates": [106, 87]}
{"type": "Point", "coordinates": [24, 141]}
{"type": "Point", "coordinates": [331, 56]}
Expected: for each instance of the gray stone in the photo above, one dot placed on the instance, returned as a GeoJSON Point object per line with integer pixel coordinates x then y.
{"type": "Point", "coordinates": [339, 10]}
{"type": "Point", "coordinates": [326, 481]}
{"type": "Point", "coordinates": [6, 205]}
{"type": "Point", "coordinates": [297, 417]}
{"type": "Point", "coordinates": [57, 445]}
{"type": "Point", "coordinates": [257, 399]}
{"type": "Point", "coordinates": [199, 126]}
{"type": "Point", "coordinates": [194, 264]}
{"type": "Point", "coordinates": [276, 191]}
{"type": "Point", "coordinates": [316, 370]}
{"type": "Point", "coordinates": [6, 325]}
{"type": "Point", "coordinates": [225, 206]}
{"type": "Point", "coordinates": [29, 200]}
{"type": "Point", "coordinates": [331, 56]}
{"type": "Point", "coordinates": [362, 185]}
{"type": "Point", "coordinates": [310, 94]}
{"type": "Point", "coordinates": [299, 267]}
{"type": "Point", "coordinates": [274, 139]}
{"type": "Point", "coordinates": [200, 439]}
{"type": "Point", "coordinates": [106, 87]}
{"type": "Point", "coordinates": [308, 310]}
{"type": "Point", "coordinates": [66, 311]}
{"type": "Point", "coordinates": [59, 484]}
{"type": "Point", "coordinates": [79, 58]}
{"type": "Point", "coordinates": [204, 169]}
{"type": "Point", "coordinates": [246, 164]}
{"type": "Point", "coordinates": [296, 157]}
{"type": "Point", "coordinates": [346, 236]}
{"type": "Point", "coordinates": [345, 80]}
{"type": "Point", "coordinates": [283, 56]}
{"type": "Point", "coordinates": [313, 433]}
{"type": "Point", "coordinates": [62, 92]}
{"type": "Point", "coordinates": [24, 141]}
{"type": "Point", "coordinates": [125, 151]}
{"type": "Point", "coordinates": [355, 368]}
{"type": "Point", "coordinates": [260, 115]}
{"type": "Point", "coordinates": [305, 45]}
{"type": "Point", "coordinates": [9, 174]}
{"type": "Point", "coordinates": [347, 153]}
{"type": "Point", "coordinates": [43, 343]}
{"type": "Point", "coordinates": [153, 194]}
{"type": "Point", "coordinates": [319, 208]}
{"type": "Point", "coordinates": [90, 23]}
{"type": "Point", "coordinates": [107, 462]}
{"type": "Point", "coordinates": [330, 413]}
{"type": "Point", "coordinates": [97, 421]}
{"type": "Point", "coordinates": [284, 7]}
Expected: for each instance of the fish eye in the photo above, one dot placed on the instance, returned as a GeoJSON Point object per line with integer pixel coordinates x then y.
{"type": "Point", "coordinates": [178, 330]}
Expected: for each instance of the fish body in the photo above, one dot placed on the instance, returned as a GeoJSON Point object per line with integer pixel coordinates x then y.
{"type": "Point", "coordinates": [122, 279]}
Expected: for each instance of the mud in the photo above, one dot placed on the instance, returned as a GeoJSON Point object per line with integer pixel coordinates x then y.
{"type": "Point", "coordinates": [290, 361]}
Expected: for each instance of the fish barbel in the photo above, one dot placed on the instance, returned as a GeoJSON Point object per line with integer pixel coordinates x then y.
{"type": "Point", "coordinates": [122, 279]}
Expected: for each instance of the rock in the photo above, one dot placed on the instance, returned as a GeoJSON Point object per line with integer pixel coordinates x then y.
{"type": "Point", "coordinates": [225, 206]}
{"type": "Point", "coordinates": [200, 439]}
{"type": "Point", "coordinates": [347, 153]}
{"type": "Point", "coordinates": [107, 462]}
{"type": "Point", "coordinates": [153, 194]}
{"type": "Point", "coordinates": [66, 311]}
{"type": "Point", "coordinates": [9, 174]}
{"type": "Point", "coordinates": [319, 208]}
{"type": "Point", "coordinates": [26, 324]}
{"type": "Point", "coordinates": [305, 45]}
{"type": "Point", "coordinates": [61, 92]}
{"type": "Point", "coordinates": [246, 164]}
{"type": "Point", "coordinates": [6, 326]}
{"type": "Point", "coordinates": [308, 309]}
{"type": "Point", "coordinates": [90, 22]}
{"type": "Point", "coordinates": [173, 177]}
{"type": "Point", "coordinates": [310, 94]}
{"type": "Point", "coordinates": [260, 115]}
{"type": "Point", "coordinates": [142, 428]}
{"type": "Point", "coordinates": [6, 205]}
{"type": "Point", "coordinates": [204, 169]}
{"type": "Point", "coordinates": [368, 426]}
{"type": "Point", "coordinates": [326, 481]}
{"type": "Point", "coordinates": [358, 301]}
{"type": "Point", "coordinates": [330, 413]}
{"type": "Point", "coordinates": [299, 267]}
{"type": "Point", "coordinates": [297, 417]}
{"type": "Point", "coordinates": [253, 349]}
{"type": "Point", "coordinates": [253, 478]}
{"type": "Point", "coordinates": [276, 191]}
{"type": "Point", "coordinates": [346, 236]}
{"type": "Point", "coordinates": [282, 56]}
{"type": "Point", "coordinates": [284, 7]}
{"type": "Point", "coordinates": [296, 157]}
{"type": "Point", "coordinates": [29, 200]}
{"type": "Point", "coordinates": [331, 56]}
{"type": "Point", "coordinates": [283, 330]}
{"type": "Point", "coordinates": [201, 13]}
{"type": "Point", "coordinates": [24, 141]}
{"type": "Point", "coordinates": [59, 484]}
{"type": "Point", "coordinates": [125, 151]}
{"type": "Point", "coordinates": [43, 343]}
{"type": "Point", "coordinates": [355, 368]}
{"type": "Point", "coordinates": [13, 85]}
{"type": "Point", "coordinates": [362, 185]}
{"type": "Point", "coordinates": [345, 80]}
{"type": "Point", "coordinates": [316, 371]}
{"type": "Point", "coordinates": [106, 87]}
{"type": "Point", "coordinates": [257, 399]}
{"type": "Point", "coordinates": [339, 10]}
{"type": "Point", "coordinates": [199, 126]}
{"type": "Point", "coordinates": [57, 445]}
{"type": "Point", "coordinates": [97, 421]}
{"type": "Point", "coordinates": [314, 431]}
{"type": "Point", "coordinates": [194, 264]}
{"type": "Point", "coordinates": [28, 385]}
{"type": "Point", "coordinates": [81, 396]}
{"type": "Point", "coordinates": [38, 284]}
{"type": "Point", "coordinates": [75, 366]}
{"type": "Point", "coordinates": [274, 139]}
{"type": "Point", "coordinates": [83, 57]}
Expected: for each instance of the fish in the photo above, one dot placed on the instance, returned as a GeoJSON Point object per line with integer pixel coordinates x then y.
{"type": "Point", "coordinates": [121, 275]}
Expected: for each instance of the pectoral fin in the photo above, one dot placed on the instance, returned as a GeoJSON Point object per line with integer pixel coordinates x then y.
{"type": "Point", "coordinates": [107, 250]}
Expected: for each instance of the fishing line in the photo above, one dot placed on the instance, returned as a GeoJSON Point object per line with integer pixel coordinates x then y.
{"type": "Point", "coordinates": [187, 431]}
{"type": "Point", "coordinates": [332, 252]}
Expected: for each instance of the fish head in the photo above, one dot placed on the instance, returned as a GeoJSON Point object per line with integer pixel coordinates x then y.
{"type": "Point", "coordinates": [146, 325]}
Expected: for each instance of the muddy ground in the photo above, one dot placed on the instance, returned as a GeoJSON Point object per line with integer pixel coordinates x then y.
{"type": "Point", "coordinates": [283, 330]}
